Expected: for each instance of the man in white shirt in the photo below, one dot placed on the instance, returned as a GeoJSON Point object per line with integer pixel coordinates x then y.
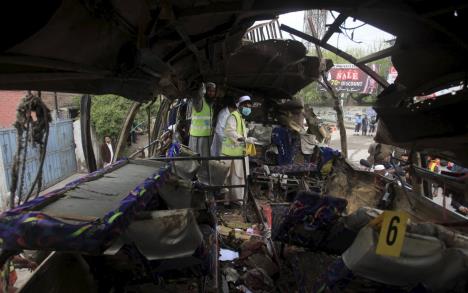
{"type": "Point", "coordinates": [107, 151]}
{"type": "Point", "coordinates": [223, 116]}
{"type": "Point", "coordinates": [234, 144]}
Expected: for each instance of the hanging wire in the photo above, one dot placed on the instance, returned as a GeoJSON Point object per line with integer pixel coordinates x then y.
{"type": "Point", "coordinates": [352, 28]}
{"type": "Point", "coordinates": [345, 30]}
{"type": "Point", "coordinates": [352, 37]}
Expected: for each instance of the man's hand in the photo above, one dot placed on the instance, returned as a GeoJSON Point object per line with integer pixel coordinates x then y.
{"type": "Point", "coordinates": [251, 140]}
{"type": "Point", "coordinates": [463, 210]}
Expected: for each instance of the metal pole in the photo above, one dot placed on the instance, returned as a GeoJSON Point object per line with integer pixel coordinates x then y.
{"type": "Point", "coordinates": [145, 147]}
{"type": "Point", "coordinates": [85, 123]}
{"type": "Point", "coordinates": [125, 131]}
{"type": "Point", "coordinates": [56, 106]}
{"type": "Point", "coordinates": [244, 168]}
{"type": "Point", "coordinates": [197, 158]}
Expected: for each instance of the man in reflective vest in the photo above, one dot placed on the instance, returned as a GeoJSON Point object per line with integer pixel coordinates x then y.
{"type": "Point", "coordinates": [202, 120]}
{"type": "Point", "coordinates": [234, 144]}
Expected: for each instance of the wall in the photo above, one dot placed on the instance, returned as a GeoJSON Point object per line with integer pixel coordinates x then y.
{"type": "Point", "coordinates": [9, 101]}
{"type": "Point", "coordinates": [80, 158]}
{"type": "Point", "coordinates": [60, 159]}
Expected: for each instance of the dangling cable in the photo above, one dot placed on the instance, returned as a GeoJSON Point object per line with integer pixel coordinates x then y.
{"type": "Point", "coordinates": [36, 131]}
{"type": "Point", "coordinates": [40, 136]}
{"type": "Point", "coordinates": [25, 141]}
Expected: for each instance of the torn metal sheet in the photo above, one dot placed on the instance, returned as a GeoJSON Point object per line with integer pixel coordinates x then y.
{"type": "Point", "coordinates": [165, 234]}
{"type": "Point", "coordinates": [274, 68]}
{"type": "Point", "coordinates": [438, 126]}
{"type": "Point", "coordinates": [78, 46]}
{"type": "Point", "coordinates": [177, 194]}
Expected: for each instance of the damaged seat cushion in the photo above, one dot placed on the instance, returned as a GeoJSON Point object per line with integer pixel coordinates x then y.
{"type": "Point", "coordinates": [312, 221]}
{"type": "Point", "coordinates": [166, 234]}
{"type": "Point", "coordinates": [424, 260]}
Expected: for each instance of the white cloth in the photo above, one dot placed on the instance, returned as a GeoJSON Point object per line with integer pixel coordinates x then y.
{"type": "Point", "coordinates": [308, 143]}
{"type": "Point", "coordinates": [243, 99]}
{"type": "Point", "coordinates": [109, 146]}
{"type": "Point", "coordinates": [236, 173]}
{"type": "Point", "coordinates": [219, 132]}
{"type": "Point", "coordinates": [223, 116]}
{"type": "Point", "coordinates": [201, 146]}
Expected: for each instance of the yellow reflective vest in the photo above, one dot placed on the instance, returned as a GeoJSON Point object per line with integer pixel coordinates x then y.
{"type": "Point", "coordinates": [234, 148]}
{"type": "Point", "coordinates": [201, 121]}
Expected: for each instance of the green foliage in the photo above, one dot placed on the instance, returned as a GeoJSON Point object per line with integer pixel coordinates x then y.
{"type": "Point", "coordinates": [76, 101]}
{"type": "Point", "coordinates": [108, 113]}
{"type": "Point", "coordinates": [312, 95]}
{"type": "Point", "coordinates": [142, 116]}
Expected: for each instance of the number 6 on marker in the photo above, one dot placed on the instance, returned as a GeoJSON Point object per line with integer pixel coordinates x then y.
{"type": "Point", "coordinates": [392, 233]}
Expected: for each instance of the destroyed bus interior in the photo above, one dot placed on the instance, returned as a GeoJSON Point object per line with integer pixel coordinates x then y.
{"type": "Point", "coordinates": [191, 211]}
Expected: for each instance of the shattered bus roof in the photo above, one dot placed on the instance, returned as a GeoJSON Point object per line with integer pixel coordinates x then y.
{"type": "Point", "coordinates": [141, 48]}
{"type": "Point", "coordinates": [136, 49]}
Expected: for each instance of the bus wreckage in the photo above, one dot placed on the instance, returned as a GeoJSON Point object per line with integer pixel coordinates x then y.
{"type": "Point", "coordinates": [159, 224]}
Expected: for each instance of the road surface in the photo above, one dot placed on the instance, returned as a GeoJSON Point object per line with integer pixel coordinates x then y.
{"type": "Point", "coordinates": [357, 144]}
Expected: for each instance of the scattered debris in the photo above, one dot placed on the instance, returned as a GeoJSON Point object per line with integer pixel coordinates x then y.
{"type": "Point", "coordinates": [228, 255]}
{"type": "Point", "coordinates": [258, 280]}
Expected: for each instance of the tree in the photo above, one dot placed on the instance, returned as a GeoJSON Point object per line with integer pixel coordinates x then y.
{"type": "Point", "coordinates": [108, 113]}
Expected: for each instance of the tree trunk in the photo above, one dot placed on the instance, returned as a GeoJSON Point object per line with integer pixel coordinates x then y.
{"type": "Point", "coordinates": [126, 129]}
{"type": "Point", "coordinates": [339, 116]}
{"type": "Point", "coordinates": [341, 126]}
{"type": "Point", "coordinates": [331, 91]}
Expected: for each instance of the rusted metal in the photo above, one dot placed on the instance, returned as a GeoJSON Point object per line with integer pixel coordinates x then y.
{"type": "Point", "coordinates": [376, 56]}
{"type": "Point", "coordinates": [334, 28]}
{"type": "Point", "coordinates": [202, 61]}
{"type": "Point", "coordinates": [86, 142]}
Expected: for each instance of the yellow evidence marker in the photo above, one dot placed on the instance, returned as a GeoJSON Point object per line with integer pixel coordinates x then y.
{"type": "Point", "coordinates": [392, 233]}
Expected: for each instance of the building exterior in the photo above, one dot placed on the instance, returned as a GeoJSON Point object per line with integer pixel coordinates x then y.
{"type": "Point", "coordinates": [9, 101]}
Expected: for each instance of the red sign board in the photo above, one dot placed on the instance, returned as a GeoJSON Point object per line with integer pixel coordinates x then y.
{"type": "Point", "coordinates": [348, 78]}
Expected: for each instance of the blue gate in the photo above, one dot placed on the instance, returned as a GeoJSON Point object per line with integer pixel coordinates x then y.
{"type": "Point", "coordinates": [60, 159]}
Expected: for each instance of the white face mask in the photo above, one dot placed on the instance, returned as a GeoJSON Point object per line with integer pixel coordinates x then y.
{"type": "Point", "coordinates": [246, 111]}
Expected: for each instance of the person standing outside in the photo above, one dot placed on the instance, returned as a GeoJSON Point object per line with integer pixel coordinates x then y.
{"type": "Point", "coordinates": [202, 120]}
{"type": "Point", "coordinates": [222, 117]}
{"type": "Point", "coordinates": [372, 123]}
{"type": "Point", "coordinates": [234, 144]}
{"type": "Point", "coordinates": [357, 124]}
{"type": "Point", "coordinates": [364, 123]}
{"type": "Point", "coordinates": [107, 151]}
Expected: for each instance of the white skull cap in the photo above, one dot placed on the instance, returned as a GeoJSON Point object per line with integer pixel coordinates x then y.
{"type": "Point", "coordinates": [243, 99]}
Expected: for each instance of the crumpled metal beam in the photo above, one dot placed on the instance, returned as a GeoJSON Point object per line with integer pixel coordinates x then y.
{"type": "Point", "coordinates": [380, 80]}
